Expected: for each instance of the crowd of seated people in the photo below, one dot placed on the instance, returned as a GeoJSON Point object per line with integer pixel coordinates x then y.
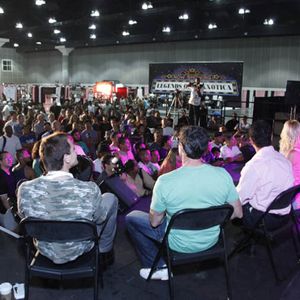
{"type": "Point", "coordinates": [127, 132]}
{"type": "Point", "coordinates": [141, 148]}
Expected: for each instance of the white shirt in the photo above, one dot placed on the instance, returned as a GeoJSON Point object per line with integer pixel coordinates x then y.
{"type": "Point", "coordinates": [12, 145]}
{"type": "Point", "coordinates": [194, 97]}
{"type": "Point", "coordinates": [226, 152]}
{"type": "Point", "coordinates": [125, 156]}
{"type": "Point", "coordinates": [149, 168]}
{"type": "Point", "coordinates": [98, 167]}
{"type": "Point", "coordinates": [168, 131]}
{"type": "Point", "coordinates": [263, 178]}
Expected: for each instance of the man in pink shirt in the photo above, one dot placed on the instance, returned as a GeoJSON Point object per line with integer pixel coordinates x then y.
{"type": "Point", "coordinates": [263, 178]}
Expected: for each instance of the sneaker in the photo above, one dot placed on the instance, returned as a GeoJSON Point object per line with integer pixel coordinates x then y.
{"type": "Point", "coordinates": [160, 274]}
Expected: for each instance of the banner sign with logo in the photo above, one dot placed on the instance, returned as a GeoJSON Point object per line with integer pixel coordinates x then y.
{"type": "Point", "coordinates": [219, 78]}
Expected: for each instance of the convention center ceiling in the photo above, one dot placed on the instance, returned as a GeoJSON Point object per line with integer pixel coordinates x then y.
{"type": "Point", "coordinates": [34, 25]}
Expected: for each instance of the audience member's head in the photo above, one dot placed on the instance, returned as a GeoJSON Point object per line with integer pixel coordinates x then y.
{"type": "Point", "coordinates": [23, 156]}
{"type": "Point", "coordinates": [145, 156]}
{"type": "Point", "coordinates": [131, 167]}
{"type": "Point", "coordinates": [261, 134]}
{"type": "Point", "coordinates": [102, 149]}
{"type": "Point", "coordinates": [215, 151]}
{"type": "Point", "coordinates": [6, 160]}
{"type": "Point", "coordinates": [8, 130]}
{"type": "Point", "coordinates": [155, 157]}
{"type": "Point", "coordinates": [108, 164]}
{"type": "Point", "coordinates": [289, 136]}
{"type": "Point", "coordinates": [124, 144]}
{"type": "Point", "coordinates": [35, 153]}
{"type": "Point", "coordinates": [57, 152]}
{"type": "Point", "coordinates": [194, 141]}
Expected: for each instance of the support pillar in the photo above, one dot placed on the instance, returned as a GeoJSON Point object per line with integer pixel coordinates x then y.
{"type": "Point", "coordinates": [65, 77]}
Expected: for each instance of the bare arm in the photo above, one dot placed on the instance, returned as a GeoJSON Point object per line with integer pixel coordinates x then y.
{"type": "Point", "coordinates": [156, 217]}
{"type": "Point", "coordinates": [237, 209]}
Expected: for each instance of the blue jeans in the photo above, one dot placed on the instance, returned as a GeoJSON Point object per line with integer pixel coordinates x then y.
{"type": "Point", "coordinates": [145, 237]}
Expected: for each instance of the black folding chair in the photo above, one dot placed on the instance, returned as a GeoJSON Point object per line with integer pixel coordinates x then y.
{"type": "Point", "coordinates": [260, 230]}
{"type": "Point", "coordinates": [196, 219]}
{"type": "Point", "coordinates": [38, 265]}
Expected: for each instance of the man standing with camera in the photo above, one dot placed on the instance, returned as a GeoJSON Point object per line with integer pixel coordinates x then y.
{"type": "Point", "coordinates": [194, 101]}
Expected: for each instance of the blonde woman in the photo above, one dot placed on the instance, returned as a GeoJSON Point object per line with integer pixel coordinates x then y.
{"type": "Point", "coordinates": [290, 148]}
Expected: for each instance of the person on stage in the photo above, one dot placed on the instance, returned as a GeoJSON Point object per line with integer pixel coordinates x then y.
{"type": "Point", "coordinates": [194, 101]}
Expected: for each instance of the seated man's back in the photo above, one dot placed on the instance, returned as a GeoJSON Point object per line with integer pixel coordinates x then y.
{"type": "Point", "coordinates": [59, 196]}
{"type": "Point", "coordinates": [193, 187]}
{"type": "Point", "coordinates": [63, 197]}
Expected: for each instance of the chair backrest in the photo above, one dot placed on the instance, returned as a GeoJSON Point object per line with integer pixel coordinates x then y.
{"type": "Point", "coordinates": [200, 218]}
{"type": "Point", "coordinates": [59, 231]}
{"type": "Point", "coordinates": [285, 198]}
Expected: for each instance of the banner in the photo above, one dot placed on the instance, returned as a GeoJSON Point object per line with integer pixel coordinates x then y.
{"type": "Point", "coordinates": [221, 79]}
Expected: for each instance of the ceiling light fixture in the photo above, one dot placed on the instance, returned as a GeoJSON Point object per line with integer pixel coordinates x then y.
{"type": "Point", "coordinates": [93, 36]}
{"type": "Point", "coordinates": [52, 20]}
{"type": "Point", "coordinates": [40, 2]}
{"type": "Point", "coordinates": [183, 17]}
{"type": "Point", "coordinates": [92, 27]}
{"type": "Point", "coordinates": [19, 25]}
{"type": "Point", "coordinates": [132, 22]}
{"type": "Point", "coordinates": [16, 45]}
{"type": "Point", "coordinates": [29, 34]}
{"type": "Point", "coordinates": [56, 31]}
{"type": "Point", "coordinates": [243, 11]}
{"type": "Point", "coordinates": [269, 22]}
{"type": "Point", "coordinates": [212, 26]}
{"type": "Point", "coordinates": [62, 40]}
{"type": "Point", "coordinates": [39, 43]}
{"type": "Point", "coordinates": [125, 33]}
{"type": "Point", "coordinates": [1, 10]}
{"type": "Point", "coordinates": [95, 13]}
{"type": "Point", "coordinates": [147, 5]}
{"type": "Point", "coordinates": [166, 29]}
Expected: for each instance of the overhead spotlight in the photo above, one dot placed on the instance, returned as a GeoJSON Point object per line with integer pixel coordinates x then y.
{"type": "Point", "coordinates": [16, 45]}
{"type": "Point", "coordinates": [39, 43]}
{"type": "Point", "coordinates": [92, 27]}
{"type": "Point", "coordinates": [125, 33]}
{"type": "Point", "coordinates": [93, 36]}
{"type": "Point", "coordinates": [62, 40]}
{"type": "Point", "coordinates": [1, 10]}
{"type": "Point", "coordinates": [269, 22]}
{"type": "Point", "coordinates": [29, 34]}
{"type": "Point", "coordinates": [95, 13]}
{"type": "Point", "coordinates": [166, 29]}
{"type": "Point", "coordinates": [243, 11]}
{"type": "Point", "coordinates": [52, 20]}
{"type": "Point", "coordinates": [19, 25]}
{"type": "Point", "coordinates": [56, 31]}
{"type": "Point", "coordinates": [183, 17]}
{"type": "Point", "coordinates": [40, 2]}
{"type": "Point", "coordinates": [132, 22]}
{"type": "Point", "coordinates": [212, 26]}
{"type": "Point", "coordinates": [147, 5]}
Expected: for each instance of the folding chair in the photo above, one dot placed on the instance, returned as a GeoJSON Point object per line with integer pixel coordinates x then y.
{"type": "Point", "coordinates": [196, 219]}
{"type": "Point", "coordinates": [259, 229]}
{"type": "Point", "coordinates": [38, 265]}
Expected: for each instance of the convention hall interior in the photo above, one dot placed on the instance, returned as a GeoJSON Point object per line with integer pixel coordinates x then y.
{"type": "Point", "coordinates": [141, 95]}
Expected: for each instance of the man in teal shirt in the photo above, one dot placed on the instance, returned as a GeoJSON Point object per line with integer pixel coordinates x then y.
{"type": "Point", "coordinates": [194, 185]}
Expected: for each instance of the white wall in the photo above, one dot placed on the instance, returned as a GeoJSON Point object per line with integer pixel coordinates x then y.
{"type": "Point", "coordinates": [17, 74]}
{"type": "Point", "coordinates": [268, 62]}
